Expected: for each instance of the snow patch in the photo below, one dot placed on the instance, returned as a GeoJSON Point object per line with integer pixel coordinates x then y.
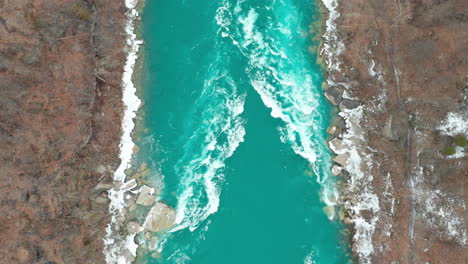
{"type": "Point", "coordinates": [360, 194]}
{"type": "Point", "coordinates": [455, 124]}
{"type": "Point", "coordinates": [118, 249]}
{"type": "Point", "coordinates": [438, 208]}
{"type": "Point", "coordinates": [332, 47]}
{"type": "Point", "coordinates": [362, 197]}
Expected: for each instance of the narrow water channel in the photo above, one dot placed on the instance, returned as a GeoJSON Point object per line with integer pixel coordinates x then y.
{"type": "Point", "coordinates": [235, 123]}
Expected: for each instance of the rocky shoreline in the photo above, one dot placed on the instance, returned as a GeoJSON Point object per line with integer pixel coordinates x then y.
{"type": "Point", "coordinates": [396, 73]}
{"type": "Point", "coordinates": [136, 214]}
{"type": "Point", "coordinates": [67, 108]}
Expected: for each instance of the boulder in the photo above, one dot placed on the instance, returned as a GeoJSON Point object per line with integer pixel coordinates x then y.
{"type": "Point", "coordinates": [342, 159]}
{"type": "Point", "coordinates": [336, 145]}
{"type": "Point", "coordinates": [146, 197]}
{"type": "Point", "coordinates": [338, 126]}
{"type": "Point", "coordinates": [329, 211]}
{"type": "Point", "coordinates": [332, 130]}
{"type": "Point", "coordinates": [101, 169]}
{"type": "Point", "coordinates": [387, 130]}
{"type": "Point", "coordinates": [151, 239]}
{"type": "Point", "coordinates": [130, 198]}
{"type": "Point", "coordinates": [334, 95]}
{"type": "Point", "coordinates": [344, 174]}
{"type": "Point", "coordinates": [160, 217]}
{"type": "Point", "coordinates": [348, 104]}
{"type": "Point", "coordinates": [340, 123]}
{"type": "Point", "coordinates": [103, 186]}
{"type": "Point", "coordinates": [336, 170]}
{"type": "Point", "coordinates": [133, 227]}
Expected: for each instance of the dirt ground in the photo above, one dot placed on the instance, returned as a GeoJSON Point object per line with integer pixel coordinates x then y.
{"type": "Point", "coordinates": [61, 63]}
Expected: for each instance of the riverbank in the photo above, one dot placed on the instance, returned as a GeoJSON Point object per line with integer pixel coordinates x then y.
{"type": "Point", "coordinates": [129, 194]}
{"type": "Point", "coordinates": [403, 167]}
{"type": "Point", "coordinates": [60, 126]}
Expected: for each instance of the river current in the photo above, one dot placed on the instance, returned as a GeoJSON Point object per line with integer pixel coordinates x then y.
{"type": "Point", "coordinates": [234, 124]}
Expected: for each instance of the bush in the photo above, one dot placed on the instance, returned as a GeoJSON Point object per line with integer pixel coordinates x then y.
{"type": "Point", "coordinates": [449, 151]}
{"type": "Point", "coordinates": [81, 12]}
{"type": "Point", "coordinates": [460, 140]}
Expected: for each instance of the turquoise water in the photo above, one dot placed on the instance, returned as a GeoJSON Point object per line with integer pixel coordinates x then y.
{"type": "Point", "coordinates": [235, 133]}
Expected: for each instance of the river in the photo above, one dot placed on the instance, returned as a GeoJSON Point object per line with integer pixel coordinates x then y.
{"type": "Point", "coordinates": [234, 133]}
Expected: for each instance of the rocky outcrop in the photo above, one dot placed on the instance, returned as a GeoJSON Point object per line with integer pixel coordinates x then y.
{"type": "Point", "coordinates": [146, 197]}
{"type": "Point", "coordinates": [160, 217]}
{"type": "Point", "coordinates": [402, 64]}
{"type": "Point", "coordinates": [61, 64]}
{"type": "Point", "coordinates": [334, 95]}
{"type": "Point", "coordinates": [348, 104]}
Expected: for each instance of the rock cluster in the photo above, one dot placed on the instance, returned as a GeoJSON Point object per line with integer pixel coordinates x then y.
{"type": "Point", "coordinates": [341, 160]}
{"type": "Point", "coordinates": [399, 70]}
{"type": "Point", "coordinates": [161, 217]}
{"type": "Point", "coordinates": [139, 217]}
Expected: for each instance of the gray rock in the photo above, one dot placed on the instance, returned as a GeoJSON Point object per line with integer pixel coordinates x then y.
{"type": "Point", "coordinates": [329, 211]}
{"type": "Point", "coordinates": [103, 186]}
{"type": "Point", "coordinates": [151, 239]}
{"type": "Point", "coordinates": [340, 124]}
{"type": "Point", "coordinates": [332, 130]}
{"type": "Point", "coordinates": [336, 145]}
{"type": "Point", "coordinates": [130, 198]}
{"type": "Point", "coordinates": [387, 130]}
{"type": "Point", "coordinates": [101, 169]}
{"type": "Point", "coordinates": [348, 104]}
{"type": "Point", "coordinates": [336, 170]}
{"type": "Point", "coordinates": [145, 197]}
{"type": "Point", "coordinates": [344, 174]}
{"type": "Point", "coordinates": [160, 217]}
{"type": "Point", "coordinates": [133, 227]}
{"type": "Point", "coordinates": [342, 159]}
{"type": "Point", "coordinates": [334, 95]}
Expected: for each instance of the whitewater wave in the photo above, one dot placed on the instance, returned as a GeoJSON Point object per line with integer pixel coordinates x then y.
{"type": "Point", "coordinates": [310, 258]}
{"type": "Point", "coordinates": [217, 136]}
{"type": "Point", "coordinates": [279, 73]}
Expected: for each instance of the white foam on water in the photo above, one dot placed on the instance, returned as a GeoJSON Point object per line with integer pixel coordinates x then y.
{"type": "Point", "coordinates": [289, 92]}
{"type": "Point", "coordinates": [218, 132]}
{"type": "Point", "coordinates": [221, 132]}
{"type": "Point", "coordinates": [310, 258]}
